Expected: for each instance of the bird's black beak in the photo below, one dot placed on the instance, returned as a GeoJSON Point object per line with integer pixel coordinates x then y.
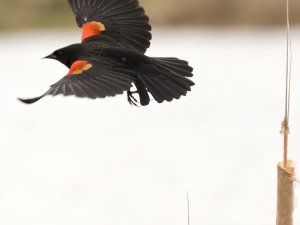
{"type": "Point", "coordinates": [52, 56]}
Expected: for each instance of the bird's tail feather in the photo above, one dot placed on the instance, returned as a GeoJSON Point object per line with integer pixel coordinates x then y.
{"type": "Point", "coordinates": [166, 78]}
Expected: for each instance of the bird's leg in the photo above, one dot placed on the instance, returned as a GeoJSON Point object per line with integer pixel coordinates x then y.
{"type": "Point", "coordinates": [131, 99]}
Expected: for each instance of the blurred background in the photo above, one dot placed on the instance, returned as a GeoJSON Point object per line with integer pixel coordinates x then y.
{"type": "Point", "coordinates": [17, 14]}
{"type": "Point", "coordinates": [66, 160]}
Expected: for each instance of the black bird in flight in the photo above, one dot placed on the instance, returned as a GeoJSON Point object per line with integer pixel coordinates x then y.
{"type": "Point", "coordinates": [110, 57]}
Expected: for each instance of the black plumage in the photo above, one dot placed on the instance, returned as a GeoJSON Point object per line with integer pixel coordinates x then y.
{"type": "Point", "coordinates": [111, 59]}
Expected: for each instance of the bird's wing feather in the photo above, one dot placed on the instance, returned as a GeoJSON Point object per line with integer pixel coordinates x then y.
{"type": "Point", "coordinates": [124, 21]}
{"type": "Point", "coordinates": [99, 81]}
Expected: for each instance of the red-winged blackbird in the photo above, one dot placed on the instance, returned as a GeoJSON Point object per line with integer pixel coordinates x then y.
{"type": "Point", "coordinates": [110, 58]}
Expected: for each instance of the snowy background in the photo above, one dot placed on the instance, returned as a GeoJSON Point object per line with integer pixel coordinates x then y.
{"type": "Point", "coordinates": [78, 161]}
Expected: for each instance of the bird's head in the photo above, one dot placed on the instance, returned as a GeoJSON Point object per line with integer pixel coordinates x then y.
{"type": "Point", "coordinates": [66, 55]}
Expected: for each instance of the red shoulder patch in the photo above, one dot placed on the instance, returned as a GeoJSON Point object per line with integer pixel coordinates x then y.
{"type": "Point", "coordinates": [79, 67]}
{"type": "Point", "coordinates": [91, 29]}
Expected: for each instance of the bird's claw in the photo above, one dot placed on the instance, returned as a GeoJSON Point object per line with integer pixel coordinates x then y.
{"type": "Point", "coordinates": [131, 99]}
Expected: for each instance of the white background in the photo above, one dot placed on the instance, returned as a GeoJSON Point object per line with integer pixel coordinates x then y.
{"type": "Point", "coordinates": [78, 161]}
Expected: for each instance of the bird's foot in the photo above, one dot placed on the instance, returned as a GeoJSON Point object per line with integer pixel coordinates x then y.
{"type": "Point", "coordinates": [131, 99]}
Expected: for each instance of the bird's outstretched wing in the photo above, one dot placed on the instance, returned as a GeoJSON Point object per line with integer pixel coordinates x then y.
{"type": "Point", "coordinates": [121, 21]}
{"type": "Point", "coordinates": [92, 78]}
